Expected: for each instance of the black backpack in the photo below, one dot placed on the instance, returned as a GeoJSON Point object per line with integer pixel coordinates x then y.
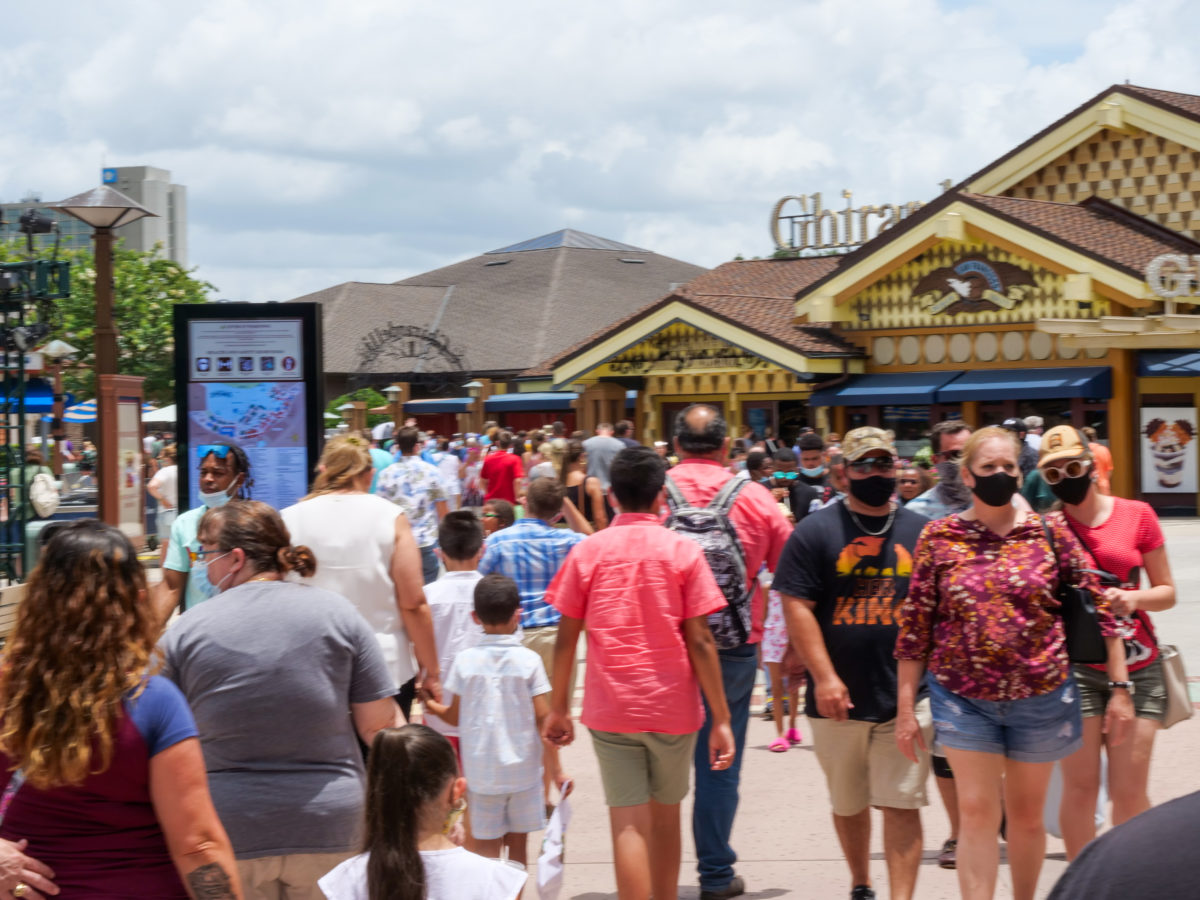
{"type": "Point", "coordinates": [709, 526]}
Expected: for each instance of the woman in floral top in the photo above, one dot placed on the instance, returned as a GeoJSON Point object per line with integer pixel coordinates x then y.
{"type": "Point", "coordinates": [981, 615]}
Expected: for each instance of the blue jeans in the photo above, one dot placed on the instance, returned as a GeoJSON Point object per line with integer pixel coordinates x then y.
{"type": "Point", "coordinates": [717, 792]}
{"type": "Point", "coordinates": [429, 565]}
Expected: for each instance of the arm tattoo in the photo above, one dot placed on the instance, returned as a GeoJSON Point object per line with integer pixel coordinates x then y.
{"type": "Point", "coordinates": [209, 882]}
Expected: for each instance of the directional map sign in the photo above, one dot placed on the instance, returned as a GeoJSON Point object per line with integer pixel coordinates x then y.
{"type": "Point", "coordinates": [249, 374]}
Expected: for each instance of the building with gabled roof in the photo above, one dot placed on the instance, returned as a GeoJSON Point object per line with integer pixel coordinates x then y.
{"type": "Point", "coordinates": [486, 318]}
{"type": "Point", "coordinates": [1021, 291]}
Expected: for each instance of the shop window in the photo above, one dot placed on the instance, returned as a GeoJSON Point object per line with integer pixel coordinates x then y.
{"type": "Point", "coordinates": [910, 424]}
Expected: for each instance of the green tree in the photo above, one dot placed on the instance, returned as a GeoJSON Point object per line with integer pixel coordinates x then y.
{"type": "Point", "coordinates": [146, 289]}
{"type": "Point", "coordinates": [370, 396]}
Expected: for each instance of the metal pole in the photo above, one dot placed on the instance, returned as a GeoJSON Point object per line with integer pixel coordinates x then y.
{"type": "Point", "coordinates": [106, 329]}
{"type": "Point", "coordinates": [108, 468]}
{"type": "Point", "coordinates": [56, 423]}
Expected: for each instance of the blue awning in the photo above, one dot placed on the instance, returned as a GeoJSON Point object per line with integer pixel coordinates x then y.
{"type": "Point", "coordinates": [39, 396]}
{"type": "Point", "coordinates": [1165, 363]}
{"type": "Point", "coordinates": [884, 389]}
{"type": "Point", "coordinates": [534, 401]}
{"type": "Point", "coordinates": [441, 405]}
{"type": "Point", "coordinates": [1089, 382]}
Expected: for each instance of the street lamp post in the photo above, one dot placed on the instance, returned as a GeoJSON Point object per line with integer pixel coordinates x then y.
{"type": "Point", "coordinates": [105, 208]}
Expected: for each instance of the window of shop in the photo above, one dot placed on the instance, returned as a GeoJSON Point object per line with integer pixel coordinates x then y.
{"type": "Point", "coordinates": [910, 424]}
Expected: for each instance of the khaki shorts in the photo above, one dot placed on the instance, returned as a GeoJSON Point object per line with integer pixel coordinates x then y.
{"type": "Point", "coordinates": [1149, 691]}
{"type": "Point", "coordinates": [638, 766]}
{"type": "Point", "coordinates": [291, 877]}
{"type": "Point", "coordinates": [864, 767]}
{"type": "Point", "coordinates": [541, 641]}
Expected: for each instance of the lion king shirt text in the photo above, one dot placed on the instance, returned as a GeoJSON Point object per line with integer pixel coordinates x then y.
{"type": "Point", "coordinates": [858, 582]}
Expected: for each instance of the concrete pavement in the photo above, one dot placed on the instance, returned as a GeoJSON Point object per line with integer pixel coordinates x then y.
{"type": "Point", "coordinates": [783, 832]}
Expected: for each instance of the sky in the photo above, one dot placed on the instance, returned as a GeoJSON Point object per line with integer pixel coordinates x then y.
{"type": "Point", "coordinates": [370, 140]}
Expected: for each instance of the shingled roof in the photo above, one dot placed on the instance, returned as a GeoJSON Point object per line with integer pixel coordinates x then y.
{"type": "Point", "coordinates": [505, 310]}
{"type": "Point", "coordinates": [758, 295]}
{"type": "Point", "coordinates": [1100, 229]}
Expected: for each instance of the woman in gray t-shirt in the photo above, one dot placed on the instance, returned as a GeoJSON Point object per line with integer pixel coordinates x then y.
{"type": "Point", "coordinates": [279, 676]}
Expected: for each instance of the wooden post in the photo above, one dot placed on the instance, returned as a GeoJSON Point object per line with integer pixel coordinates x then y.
{"type": "Point", "coordinates": [119, 414]}
{"type": "Point", "coordinates": [1123, 423]}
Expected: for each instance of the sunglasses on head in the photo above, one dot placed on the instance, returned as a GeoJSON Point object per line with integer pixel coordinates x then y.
{"type": "Point", "coordinates": [1072, 468]}
{"type": "Point", "coordinates": [878, 463]}
{"type": "Point", "coordinates": [220, 451]}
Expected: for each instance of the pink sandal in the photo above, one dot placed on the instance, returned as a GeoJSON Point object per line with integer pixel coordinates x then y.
{"type": "Point", "coordinates": [779, 745]}
{"type": "Point", "coordinates": [793, 736]}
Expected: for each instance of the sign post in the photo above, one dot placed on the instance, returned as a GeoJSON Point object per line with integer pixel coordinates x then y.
{"type": "Point", "coordinates": [250, 374]}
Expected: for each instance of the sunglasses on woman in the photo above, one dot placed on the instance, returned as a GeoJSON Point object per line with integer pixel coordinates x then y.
{"type": "Point", "coordinates": [878, 463]}
{"type": "Point", "coordinates": [195, 556]}
{"type": "Point", "coordinates": [1073, 468]}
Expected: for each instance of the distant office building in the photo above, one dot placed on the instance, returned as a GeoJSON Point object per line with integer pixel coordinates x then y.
{"type": "Point", "coordinates": [153, 189]}
{"type": "Point", "coordinates": [150, 187]}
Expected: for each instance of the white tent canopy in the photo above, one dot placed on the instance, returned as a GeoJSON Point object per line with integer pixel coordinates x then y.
{"type": "Point", "coordinates": [166, 414]}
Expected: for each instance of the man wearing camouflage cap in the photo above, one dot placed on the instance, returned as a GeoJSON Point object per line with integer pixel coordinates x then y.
{"type": "Point", "coordinates": [843, 575]}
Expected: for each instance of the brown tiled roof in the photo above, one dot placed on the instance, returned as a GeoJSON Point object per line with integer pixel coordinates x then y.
{"type": "Point", "coordinates": [1095, 227]}
{"type": "Point", "coordinates": [1184, 104]}
{"type": "Point", "coordinates": [758, 295]}
{"type": "Point", "coordinates": [1187, 104]}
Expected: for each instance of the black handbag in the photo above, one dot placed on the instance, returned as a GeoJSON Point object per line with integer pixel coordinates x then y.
{"type": "Point", "coordinates": [1085, 641]}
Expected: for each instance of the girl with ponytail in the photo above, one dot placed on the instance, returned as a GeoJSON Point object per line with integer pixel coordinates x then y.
{"type": "Point", "coordinates": [414, 797]}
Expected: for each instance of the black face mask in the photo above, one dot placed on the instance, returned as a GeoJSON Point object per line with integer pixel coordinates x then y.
{"type": "Point", "coordinates": [875, 490]}
{"type": "Point", "coordinates": [952, 492]}
{"type": "Point", "coordinates": [996, 489]}
{"type": "Point", "coordinates": [1072, 490]}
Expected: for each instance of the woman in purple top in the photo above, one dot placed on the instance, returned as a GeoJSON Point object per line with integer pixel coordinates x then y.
{"type": "Point", "coordinates": [100, 766]}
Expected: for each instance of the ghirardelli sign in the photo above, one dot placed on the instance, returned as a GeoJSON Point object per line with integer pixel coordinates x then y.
{"type": "Point", "coordinates": [801, 222]}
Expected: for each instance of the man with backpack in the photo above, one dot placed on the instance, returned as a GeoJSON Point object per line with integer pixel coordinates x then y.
{"type": "Point", "coordinates": [740, 527]}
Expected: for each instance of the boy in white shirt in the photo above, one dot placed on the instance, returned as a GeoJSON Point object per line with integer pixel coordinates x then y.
{"type": "Point", "coordinates": [501, 696]}
{"type": "Point", "coordinates": [452, 600]}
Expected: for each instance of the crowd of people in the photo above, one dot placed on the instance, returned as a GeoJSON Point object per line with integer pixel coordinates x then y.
{"type": "Point", "coordinates": [247, 728]}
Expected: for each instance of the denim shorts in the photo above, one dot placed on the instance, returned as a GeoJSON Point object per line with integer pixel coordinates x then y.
{"type": "Point", "coordinates": [1038, 729]}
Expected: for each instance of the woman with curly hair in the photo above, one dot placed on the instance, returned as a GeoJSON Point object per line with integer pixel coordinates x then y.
{"type": "Point", "coordinates": [100, 764]}
{"type": "Point", "coordinates": [280, 676]}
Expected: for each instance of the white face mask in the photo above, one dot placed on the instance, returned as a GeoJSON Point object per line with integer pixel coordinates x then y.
{"type": "Point", "coordinates": [220, 498]}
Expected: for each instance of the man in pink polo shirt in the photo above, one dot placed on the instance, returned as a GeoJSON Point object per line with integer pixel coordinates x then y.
{"type": "Point", "coordinates": [702, 442]}
{"type": "Point", "coordinates": [644, 594]}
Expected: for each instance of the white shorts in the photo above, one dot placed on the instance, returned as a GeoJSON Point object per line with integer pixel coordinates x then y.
{"type": "Point", "coordinates": [495, 815]}
{"type": "Point", "coordinates": [775, 636]}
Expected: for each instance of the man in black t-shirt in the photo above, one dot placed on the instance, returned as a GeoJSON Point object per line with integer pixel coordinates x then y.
{"type": "Point", "coordinates": [786, 486]}
{"type": "Point", "coordinates": [843, 576]}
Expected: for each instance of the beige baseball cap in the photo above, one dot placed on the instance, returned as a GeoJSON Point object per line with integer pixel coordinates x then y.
{"type": "Point", "coordinates": [1062, 442]}
{"type": "Point", "coordinates": [861, 441]}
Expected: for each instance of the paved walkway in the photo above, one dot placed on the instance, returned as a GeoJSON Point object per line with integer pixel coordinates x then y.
{"type": "Point", "coordinates": [783, 832]}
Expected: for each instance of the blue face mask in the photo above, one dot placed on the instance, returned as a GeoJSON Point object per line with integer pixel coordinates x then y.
{"type": "Point", "coordinates": [815, 472]}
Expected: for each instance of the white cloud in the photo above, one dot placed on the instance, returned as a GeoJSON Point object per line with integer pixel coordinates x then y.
{"type": "Point", "coordinates": [324, 141]}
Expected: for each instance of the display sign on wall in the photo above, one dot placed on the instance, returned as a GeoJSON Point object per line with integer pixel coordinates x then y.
{"type": "Point", "coordinates": [1169, 450]}
{"type": "Point", "coordinates": [250, 375]}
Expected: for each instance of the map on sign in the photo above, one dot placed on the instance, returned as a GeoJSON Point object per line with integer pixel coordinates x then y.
{"type": "Point", "coordinates": [265, 419]}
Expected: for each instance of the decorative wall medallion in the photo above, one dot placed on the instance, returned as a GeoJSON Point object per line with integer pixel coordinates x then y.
{"type": "Point", "coordinates": [974, 284]}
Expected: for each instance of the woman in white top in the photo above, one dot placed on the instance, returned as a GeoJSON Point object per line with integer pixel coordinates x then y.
{"type": "Point", "coordinates": [414, 798]}
{"type": "Point", "coordinates": [366, 553]}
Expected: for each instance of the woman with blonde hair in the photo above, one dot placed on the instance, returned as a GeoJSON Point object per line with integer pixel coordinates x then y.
{"type": "Point", "coordinates": [368, 555]}
{"type": "Point", "coordinates": [982, 617]}
{"type": "Point", "coordinates": [281, 677]}
{"type": "Point", "coordinates": [100, 765]}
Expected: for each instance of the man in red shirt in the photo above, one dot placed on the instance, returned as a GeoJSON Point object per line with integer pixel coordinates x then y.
{"type": "Point", "coordinates": [501, 471]}
{"type": "Point", "coordinates": [702, 442]}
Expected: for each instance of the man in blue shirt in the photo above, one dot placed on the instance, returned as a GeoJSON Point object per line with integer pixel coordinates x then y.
{"type": "Point", "coordinates": [530, 552]}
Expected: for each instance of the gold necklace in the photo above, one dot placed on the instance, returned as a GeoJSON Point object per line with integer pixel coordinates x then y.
{"type": "Point", "coordinates": [262, 578]}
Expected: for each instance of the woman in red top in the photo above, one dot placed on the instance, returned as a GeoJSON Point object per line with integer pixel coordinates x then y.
{"type": "Point", "coordinates": [1123, 536]}
{"type": "Point", "coordinates": [981, 617]}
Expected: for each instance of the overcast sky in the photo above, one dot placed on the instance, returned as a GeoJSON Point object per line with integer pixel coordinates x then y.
{"type": "Point", "coordinates": [371, 140]}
